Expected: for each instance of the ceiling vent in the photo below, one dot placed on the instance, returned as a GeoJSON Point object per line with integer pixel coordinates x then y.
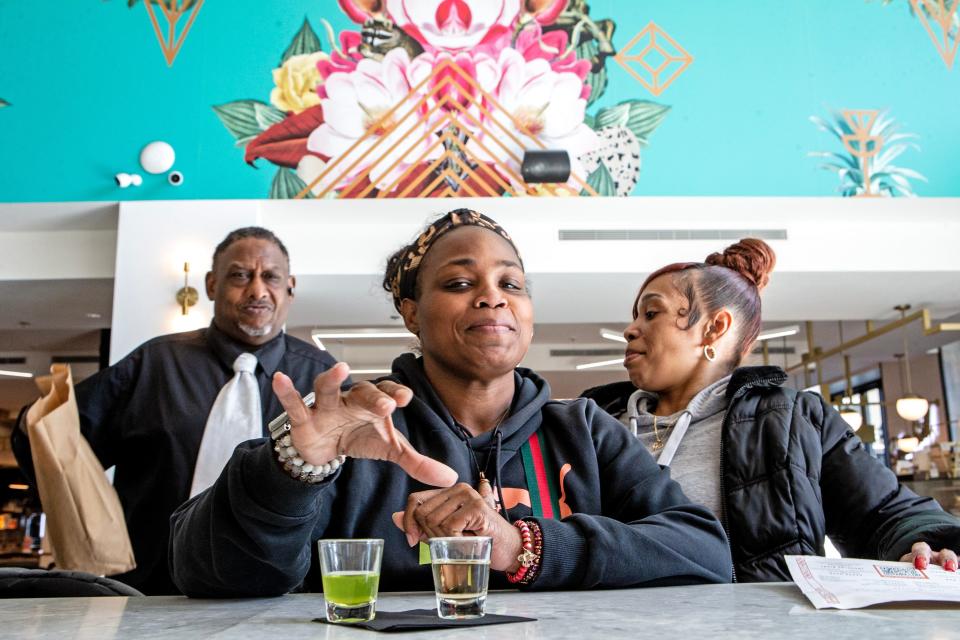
{"type": "Point", "coordinates": [566, 353]}
{"type": "Point", "coordinates": [13, 360]}
{"type": "Point", "coordinates": [670, 234]}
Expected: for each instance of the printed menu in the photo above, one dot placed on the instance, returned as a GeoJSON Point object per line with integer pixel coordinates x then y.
{"type": "Point", "coordinates": [850, 583]}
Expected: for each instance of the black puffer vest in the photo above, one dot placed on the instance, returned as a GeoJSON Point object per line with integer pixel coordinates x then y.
{"type": "Point", "coordinates": [792, 471]}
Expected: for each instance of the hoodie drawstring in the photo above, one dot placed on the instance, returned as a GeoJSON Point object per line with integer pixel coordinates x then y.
{"type": "Point", "coordinates": [496, 479]}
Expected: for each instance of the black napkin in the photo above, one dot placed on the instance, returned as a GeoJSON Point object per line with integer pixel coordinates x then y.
{"type": "Point", "coordinates": [423, 619]}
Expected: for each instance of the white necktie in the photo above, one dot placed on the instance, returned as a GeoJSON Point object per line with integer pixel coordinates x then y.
{"type": "Point", "coordinates": [234, 418]}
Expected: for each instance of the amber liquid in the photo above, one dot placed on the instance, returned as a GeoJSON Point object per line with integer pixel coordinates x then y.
{"type": "Point", "coordinates": [461, 587]}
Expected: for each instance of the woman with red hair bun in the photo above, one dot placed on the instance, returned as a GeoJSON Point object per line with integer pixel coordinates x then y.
{"type": "Point", "coordinates": [778, 466]}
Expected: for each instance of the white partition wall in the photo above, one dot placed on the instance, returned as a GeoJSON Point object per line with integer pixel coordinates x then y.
{"type": "Point", "coordinates": [837, 258]}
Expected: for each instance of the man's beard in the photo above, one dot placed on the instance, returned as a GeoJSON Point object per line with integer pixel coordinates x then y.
{"type": "Point", "coordinates": [255, 332]}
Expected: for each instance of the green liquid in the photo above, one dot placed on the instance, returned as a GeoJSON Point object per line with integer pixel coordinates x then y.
{"type": "Point", "coordinates": [351, 588]}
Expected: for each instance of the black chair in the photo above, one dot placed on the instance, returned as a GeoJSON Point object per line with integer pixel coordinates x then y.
{"type": "Point", "coordinates": [38, 583]}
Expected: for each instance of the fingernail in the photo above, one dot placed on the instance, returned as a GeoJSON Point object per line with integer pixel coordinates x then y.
{"type": "Point", "coordinates": [950, 565]}
{"type": "Point", "coordinates": [411, 540]}
{"type": "Point", "coordinates": [920, 562]}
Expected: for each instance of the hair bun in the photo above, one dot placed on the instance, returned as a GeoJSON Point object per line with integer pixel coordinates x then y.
{"type": "Point", "coordinates": [751, 257]}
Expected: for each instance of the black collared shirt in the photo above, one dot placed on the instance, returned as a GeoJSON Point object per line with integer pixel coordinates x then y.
{"type": "Point", "coordinates": [146, 415]}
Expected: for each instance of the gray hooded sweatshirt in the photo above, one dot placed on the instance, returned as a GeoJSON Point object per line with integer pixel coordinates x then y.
{"type": "Point", "coordinates": [691, 439]}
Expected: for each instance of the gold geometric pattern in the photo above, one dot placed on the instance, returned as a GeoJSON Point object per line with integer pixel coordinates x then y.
{"type": "Point", "coordinates": [660, 61]}
{"type": "Point", "coordinates": [172, 11]}
{"type": "Point", "coordinates": [861, 144]}
{"type": "Point", "coordinates": [942, 12]}
{"type": "Point", "coordinates": [471, 175]}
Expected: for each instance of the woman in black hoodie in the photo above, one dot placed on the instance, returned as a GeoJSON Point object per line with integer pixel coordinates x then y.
{"type": "Point", "coordinates": [509, 460]}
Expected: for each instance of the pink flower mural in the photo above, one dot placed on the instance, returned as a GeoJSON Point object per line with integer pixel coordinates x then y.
{"type": "Point", "coordinates": [443, 97]}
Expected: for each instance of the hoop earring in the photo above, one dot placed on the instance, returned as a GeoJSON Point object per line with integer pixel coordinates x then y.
{"type": "Point", "coordinates": [709, 352]}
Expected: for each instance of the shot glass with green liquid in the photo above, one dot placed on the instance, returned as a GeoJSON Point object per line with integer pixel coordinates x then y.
{"type": "Point", "coordinates": [351, 575]}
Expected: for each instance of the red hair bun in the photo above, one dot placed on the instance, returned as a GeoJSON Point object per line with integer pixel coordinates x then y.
{"type": "Point", "coordinates": [752, 258]}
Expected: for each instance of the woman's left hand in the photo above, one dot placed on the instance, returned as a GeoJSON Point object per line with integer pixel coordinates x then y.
{"type": "Point", "coordinates": [461, 511]}
{"type": "Point", "coordinates": [921, 555]}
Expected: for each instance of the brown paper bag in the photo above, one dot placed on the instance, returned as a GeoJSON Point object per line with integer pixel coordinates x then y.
{"type": "Point", "coordinates": [85, 522]}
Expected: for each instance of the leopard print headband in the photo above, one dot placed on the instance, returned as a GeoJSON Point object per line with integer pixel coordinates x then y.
{"type": "Point", "coordinates": [403, 266]}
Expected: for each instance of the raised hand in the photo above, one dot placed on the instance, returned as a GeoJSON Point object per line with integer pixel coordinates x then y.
{"type": "Point", "coordinates": [356, 423]}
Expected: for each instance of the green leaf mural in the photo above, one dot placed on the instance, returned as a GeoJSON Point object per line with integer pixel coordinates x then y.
{"type": "Point", "coordinates": [602, 182]}
{"type": "Point", "coordinates": [597, 80]}
{"type": "Point", "coordinates": [622, 130]}
{"type": "Point", "coordinates": [287, 184]}
{"type": "Point", "coordinates": [641, 117]}
{"type": "Point", "coordinates": [306, 41]}
{"type": "Point", "coordinates": [246, 119]}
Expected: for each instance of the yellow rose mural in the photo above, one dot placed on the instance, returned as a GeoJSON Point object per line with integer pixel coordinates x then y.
{"type": "Point", "coordinates": [297, 81]}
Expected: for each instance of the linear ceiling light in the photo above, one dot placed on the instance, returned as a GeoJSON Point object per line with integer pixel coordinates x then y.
{"type": "Point", "coordinates": [373, 333]}
{"type": "Point", "coordinates": [16, 374]}
{"type": "Point", "coordinates": [609, 334]}
{"type": "Point", "coordinates": [781, 332]}
{"type": "Point", "coordinates": [360, 334]}
{"type": "Point", "coordinates": [602, 363]}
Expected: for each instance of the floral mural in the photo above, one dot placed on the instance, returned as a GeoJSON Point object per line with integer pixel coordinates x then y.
{"type": "Point", "coordinates": [432, 98]}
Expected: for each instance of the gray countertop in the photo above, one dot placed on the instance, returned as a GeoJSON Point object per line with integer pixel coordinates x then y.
{"type": "Point", "coordinates": [744, 611]}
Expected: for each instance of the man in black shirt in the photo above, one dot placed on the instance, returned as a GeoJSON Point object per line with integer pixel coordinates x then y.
{"type": "Point", "coordinates": [146, 414]}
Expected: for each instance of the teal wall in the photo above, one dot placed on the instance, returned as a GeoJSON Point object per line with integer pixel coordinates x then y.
{"type": "Point", "coordinates": [88, 86]}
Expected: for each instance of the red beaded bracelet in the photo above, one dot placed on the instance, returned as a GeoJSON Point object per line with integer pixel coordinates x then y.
{"type": "Point", "coordinates": [529, 559]}
{"type": "Point", "coordinates": [534, 568]}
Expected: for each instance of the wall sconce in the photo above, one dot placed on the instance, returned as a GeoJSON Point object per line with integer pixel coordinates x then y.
{"type": "Point", "coordinates": [910, 406]}
{"type": "Point", "coordinates": [187, 296]}
{"type": "Point", "coordinates": [545, 165]}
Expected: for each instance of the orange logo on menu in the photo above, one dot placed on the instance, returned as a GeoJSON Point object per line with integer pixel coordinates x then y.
{"type": "Point", "coordinates": [172, 11]}
{"type": "Point", "coordinates": [943, 16]}
{"type": "Point", "coordinates": [659, 62]}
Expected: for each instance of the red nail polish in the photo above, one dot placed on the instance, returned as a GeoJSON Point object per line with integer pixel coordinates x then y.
{"type": "Point", "coordinates": [920, 562]}
{"type": "Point", "coordinates": [950, 565]}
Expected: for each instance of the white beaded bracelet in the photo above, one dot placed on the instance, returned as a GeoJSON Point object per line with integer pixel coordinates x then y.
{"type": "Point", "coordinates": [303, 471]}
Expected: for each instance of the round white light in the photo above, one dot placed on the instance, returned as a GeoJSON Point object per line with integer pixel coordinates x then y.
{"type": "Point", "coordinates": [912, 408]}
{"type": "Point", "coordinates": [908, 445]}
{"type": "Point", "coordinates": [157, 157]}
{"type": "Point", "coordinates": [852, 417]}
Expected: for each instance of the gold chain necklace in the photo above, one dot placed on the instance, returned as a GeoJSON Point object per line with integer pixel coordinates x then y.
{"type": "Point", "coordinates": [658, 440]}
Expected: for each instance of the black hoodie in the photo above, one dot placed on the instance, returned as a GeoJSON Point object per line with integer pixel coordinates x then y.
{"type": "Point", "coordinates": [252, 533]}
